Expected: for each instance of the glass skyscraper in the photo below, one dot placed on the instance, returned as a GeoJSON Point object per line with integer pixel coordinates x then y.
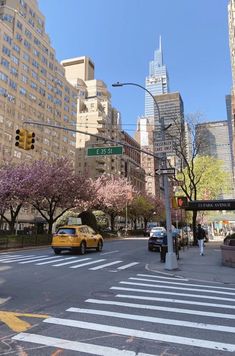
{"type": "Point", "coordinates": [157, 81]}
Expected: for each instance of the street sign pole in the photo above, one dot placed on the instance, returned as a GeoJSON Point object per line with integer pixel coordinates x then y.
{"type": "Point", "coordinates": [171, 261]}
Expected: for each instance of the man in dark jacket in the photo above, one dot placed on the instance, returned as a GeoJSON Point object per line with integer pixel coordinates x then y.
{"type": "Point", "coordinates": [201, 234]}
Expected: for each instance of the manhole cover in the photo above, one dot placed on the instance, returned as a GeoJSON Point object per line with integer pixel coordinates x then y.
{"type": "Point", "coordinates": [102, 294]}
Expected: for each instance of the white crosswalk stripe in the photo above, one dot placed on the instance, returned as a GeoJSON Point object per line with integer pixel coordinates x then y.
{"type": "Point", "coordinates": [65, 260]}
{"type": "Point", "coordinates": [159, 321]}
{"type": "Point", "coordinates": [76, 346]}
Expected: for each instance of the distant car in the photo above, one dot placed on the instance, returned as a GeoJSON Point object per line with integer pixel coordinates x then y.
{"type": "Point", "coordinates": [149, 227]}
{"type": "Point", "coordinates": [156, 240]}
{"type": "Point", "coordinates": [157, 228]}
{"type": "Point", "coordinates": [76, 238]}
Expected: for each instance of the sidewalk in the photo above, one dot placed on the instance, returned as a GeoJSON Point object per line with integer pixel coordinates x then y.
{"type": "Point", "coordinates": [205, 268]}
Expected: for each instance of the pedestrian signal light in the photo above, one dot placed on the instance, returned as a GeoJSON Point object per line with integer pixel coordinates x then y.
{"type": "Point", "coordinates": [182, 202]}
{"type": "Point", "coordinates": [20, 138]}
{"type": "Point", "coordinates": [29, 143]}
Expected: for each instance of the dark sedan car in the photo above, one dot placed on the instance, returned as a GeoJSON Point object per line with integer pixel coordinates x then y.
{"type": "Point", "coordinates": [156, 240]}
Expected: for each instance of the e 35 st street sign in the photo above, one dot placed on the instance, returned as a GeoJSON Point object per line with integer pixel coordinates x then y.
{"type": "Point", "coordinates": [104, 151]}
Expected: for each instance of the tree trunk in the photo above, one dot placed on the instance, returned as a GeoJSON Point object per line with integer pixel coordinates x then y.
{"type": "Point", "coordinates": [135, 223]}
{"type": "Point", "coordinates": [145, 223]}
{"type": "Point", "coordinates": [194, 221]}
{"type": "Point", "coordinates": [50, 225]}
{"type": "Point", "coordinates": [112, 220]}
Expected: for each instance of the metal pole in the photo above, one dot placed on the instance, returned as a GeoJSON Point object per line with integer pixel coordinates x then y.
{"type": "Point", "coordinates": [171, 261]}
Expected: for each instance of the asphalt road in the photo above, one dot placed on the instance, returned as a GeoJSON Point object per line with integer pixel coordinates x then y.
{"type": "Point", "coordinates": [110, 304]}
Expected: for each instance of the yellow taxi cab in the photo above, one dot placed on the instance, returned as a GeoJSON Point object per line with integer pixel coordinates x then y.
{"type": "Point", "coordinates": [77, 238]}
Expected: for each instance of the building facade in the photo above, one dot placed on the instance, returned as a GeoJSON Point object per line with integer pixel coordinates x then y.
{"type": "Point", "coordinates": [171, 108]}
{"type": "Point", "coordinates": [231, 107]}
{"type": "Point", "coordinates": [215, 141]}
{"type": "Point", "coordinates": [33, 87]}
{"type": "Point", "coordinates": [99, 120]}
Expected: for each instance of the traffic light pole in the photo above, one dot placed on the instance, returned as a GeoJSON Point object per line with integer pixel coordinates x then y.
{"type": "Point", "coordinates": [171, 261]}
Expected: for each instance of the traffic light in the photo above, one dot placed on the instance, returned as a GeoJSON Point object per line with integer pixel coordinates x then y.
{"type": "Point", "coordinates": [25, 139]}
{"type": "Point", "coordinates": [174, 203]}
{"type": "Point", "coordinates": [20, 138]}
{"type": "Point", "coordinates": [182, 202]}
{"type": "Point", "coordinates": [29, 143]}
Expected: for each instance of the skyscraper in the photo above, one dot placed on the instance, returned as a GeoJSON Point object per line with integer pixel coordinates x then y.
{"type": "Point", "coordinates": [157, 80]}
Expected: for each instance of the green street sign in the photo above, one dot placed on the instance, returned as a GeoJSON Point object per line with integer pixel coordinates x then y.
{"type": "Point", "coordinates": [104, 151]}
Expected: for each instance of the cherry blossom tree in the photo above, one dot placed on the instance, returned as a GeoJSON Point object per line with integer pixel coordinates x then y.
{"type": "Point", "coordinates": [112, 195]}
{"type": "Point", "coordinates": [55, 189]}
{"type": "Point", "coordinates": [14, 192]}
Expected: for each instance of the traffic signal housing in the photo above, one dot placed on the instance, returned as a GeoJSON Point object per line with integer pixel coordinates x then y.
{"type": "Point", "coordinates": [25, 139]}
{"type": "Point", "coordinates": [182, 202]}
{"type": "Point", "coordinates": [29, 143]}
{"type": "Point", "coordinates": [20, 138]}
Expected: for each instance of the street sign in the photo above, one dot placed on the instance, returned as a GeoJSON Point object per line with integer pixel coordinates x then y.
{"type": "Point", "coordinates": [168, 171]}
{"type": "Point", "coordinates": [178, 183]}
{"type": "Point", "coordinates": [163, 146]}
{"type": "Point", "coordinates": [104, 151]}
{"type": "Point", "coordinates": [225, 204]}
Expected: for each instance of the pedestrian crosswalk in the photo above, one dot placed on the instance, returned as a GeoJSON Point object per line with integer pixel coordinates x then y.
{"type": "Point", "coordinates": [150, 307]}
{"type": "Point", "coordinates": [73, 262]}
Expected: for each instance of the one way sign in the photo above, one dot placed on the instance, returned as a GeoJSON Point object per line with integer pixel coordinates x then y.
{"type": "Point", "coordinates": [168, 171]}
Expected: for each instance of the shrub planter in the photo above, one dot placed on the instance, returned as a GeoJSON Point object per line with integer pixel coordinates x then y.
{"type": "Point", "coordinates": [228, 255]}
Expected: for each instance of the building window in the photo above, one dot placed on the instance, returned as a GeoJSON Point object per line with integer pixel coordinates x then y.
{"type": "Point", "coordinates": [5, 63]}
{"type": "Point", "coordinates": [6, 51]}
{"type": "Point", "coordinates": [3, 77]}
{"type": "Point", "coordinates": [7, 38]}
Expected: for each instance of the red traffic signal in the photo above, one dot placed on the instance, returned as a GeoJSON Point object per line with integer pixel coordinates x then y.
{"type": "Point", "coordinates": [182, 202]}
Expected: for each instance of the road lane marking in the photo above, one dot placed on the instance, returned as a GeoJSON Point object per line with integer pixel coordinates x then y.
{"type": "Point", "coordinates": [143, 334]}
{"type": "Point", "coordinates": [40, 259]}
{"type": "Point", "coordinates": [166, 309]}
{"type": "Point", "coordinates": [18, 259]}
{"type": "Point", "coordinates": [176, 301]}
{"type": "Point", "coordinates": [57, 260]}
{"type": "Point", "coordinates": [151, 319]}
{"type": "Point", "coordinates": [76, 346]}
{"type": "Point", "coordinates": [162, 277]}
{"type": "Point", "coordinates": [13, 321]}
{"type": "Point", "coordinates": [70, 262]}
{"type": "Point", "coordinates": [3, 258]}
{"type": "Point", "coordinates": [88, 263]}
{"type": "Point", "coordinates": [128, 265]}
{"type": "Point", "coordinates": [105, 265]}
{"type": "Point", "coordinates": [181, 288]}
{"type": "Point", "coordinates": [178, 283]}
{"type": "Point", "coordinates": [108, 253]}
{"type": "Point", "coordinates": [172, 293]}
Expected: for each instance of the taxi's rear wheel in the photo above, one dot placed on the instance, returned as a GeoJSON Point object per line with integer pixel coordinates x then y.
{"type": "Point", "coordinates": [83, 248]}
{"type": "Point", "coordinates": [57, 251]}
{"type": "Point", "coordinates": [99, 246]}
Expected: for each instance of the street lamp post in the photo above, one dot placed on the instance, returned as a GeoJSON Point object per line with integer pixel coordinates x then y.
{"type": "Point", "coordinates": [171, 261]}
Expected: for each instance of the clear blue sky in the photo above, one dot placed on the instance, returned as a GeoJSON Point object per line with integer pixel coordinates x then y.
{"type": "Point", "coordinates": [120, 36]}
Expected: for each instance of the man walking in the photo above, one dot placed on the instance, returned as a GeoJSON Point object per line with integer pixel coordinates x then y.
{"type": "Point", "coordinates": [201, 234]}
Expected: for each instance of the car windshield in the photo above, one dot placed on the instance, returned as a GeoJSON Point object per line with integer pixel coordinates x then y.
{"type": "Point", "coordinates": [66, 231]}
{"type": "Point", "coordinates": [158, 228]}
{"type": "Point", "coordinates": [150, 226]}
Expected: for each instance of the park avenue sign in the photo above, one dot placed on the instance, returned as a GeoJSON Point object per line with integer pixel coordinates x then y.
{"type": "Point", "coordinates": [226, 204]}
